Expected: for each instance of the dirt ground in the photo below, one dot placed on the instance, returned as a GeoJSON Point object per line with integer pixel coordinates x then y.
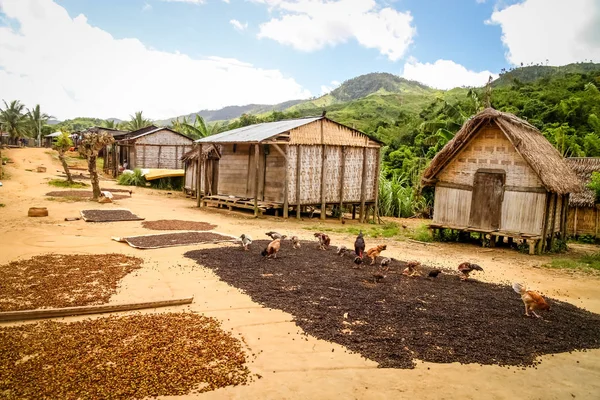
{"type": "Point", "coordinates": [292, 365]}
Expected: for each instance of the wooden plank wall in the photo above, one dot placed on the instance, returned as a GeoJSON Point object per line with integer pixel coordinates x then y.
{"type": "Point", "coordinates": [172, 147]}
{"type": "Point", "coordinates": [587, 221]}
{"type": "Point", "coordinates": [523, 212]}
{"type": "Point", "coordinates": [233, 170]}
{"type": "Point", "coordinates": [452, 206]}
{"type": "Point", "coordinates": [190, 175]}
{"type": "Point", "coordinates": [274, 176]}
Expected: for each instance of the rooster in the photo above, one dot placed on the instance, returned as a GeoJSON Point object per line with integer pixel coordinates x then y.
{"type": "Point", "coordinates": [275, 235]}
{"type": "Point", "coordinates": [272, 249]}
{"type": "Point", "coordinates": [323, 240]}
{"type": "Point", "coordinates": [374, 252]}
{"type": "Point", "coordinates": [532, 300]}
{"type": "Point", "coordinates": [246, 241]}
{"type": "Point", "coordinates": [411, 269]}
{"type": "Point", "coordinates": [359, 246]}
{"type": "Point", "coordinates": [466, 268]}
{"type": "Point", "coordinates": [295, 242]}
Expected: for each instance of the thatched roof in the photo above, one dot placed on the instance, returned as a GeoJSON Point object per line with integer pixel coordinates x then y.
{"type": "Point", "coordinates": [195, 152]}
{"type": "Point", "coordinates": [583, 167]}
{"type": "Point", "coordinates": [528, 141]}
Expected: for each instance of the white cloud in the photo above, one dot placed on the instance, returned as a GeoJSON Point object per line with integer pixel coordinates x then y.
{"type": "Point", "coordinates": [147, 7]}
{"type": "Point", "coordinates": [74, 69]}
{"type": "Point", "coordinates": [444, 74]}
{"type": "Point", "coordinates": [480, 1]}
{"type": "Point", "coordinates": [238, 25]}
{"type": "Point", "coordinates": [328, 88]}
{"type": "Point", "coordinates": [310, 25]}
{"type": "Point", "coordinates": [186, 1]}
{"type": "Point", "coordinates": [226, 1]}
{"type": "Point", "coordinates": [559, 31]}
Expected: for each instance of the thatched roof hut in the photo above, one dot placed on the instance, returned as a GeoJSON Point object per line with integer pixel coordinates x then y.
{"type": "Point", "coordinates": [584, 212]}
{"type": "Point", "coordinates": [500, 176]}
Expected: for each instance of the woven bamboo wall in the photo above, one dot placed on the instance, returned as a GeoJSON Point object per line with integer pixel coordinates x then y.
{"type": "Point", "coordinates": [292, 152]}
{"type": "Point", "coordinates": [490, 149]}
{"type": "Point", "coordinates": [233, 170]}
{"type": "Point", "coordinates": [333, 134]}
{"type": "Point", "coordinates": [451, 206]}
{"type": "Point", "coordinates": [310, 174]}
{"type": "Point", "coordinates": [353, 174]}
{"type": "Point", "coordinates": [333, 162]}
{"type": "Point", "coordinates": [372, 161]}
{"type": "Point", "coordinates": [523, 212]}
{"type": "Point", "coordinates": [173, 146]}
{"type": "Point", "coordinates": [587, 221]}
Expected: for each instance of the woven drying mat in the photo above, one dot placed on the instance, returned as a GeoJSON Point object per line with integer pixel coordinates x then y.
{"type": "Point", "coordinates": [83, 194]}
{"type": "Point", "coordinates": [109, 215]}
{"type": "Point", "coordinates": [175, 239]}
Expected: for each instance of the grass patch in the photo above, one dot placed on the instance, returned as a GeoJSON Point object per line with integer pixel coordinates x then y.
{"type": "Point", "coordinates": [388, 230]}
{"type": "Point", "coordinates": [2, 205]}
{"type": "Point", "coordinates": [65, 184]}
{"type": "Point", "coordinates": [587, 262]}
{"type": "Point", "coordinates": [67, 199]}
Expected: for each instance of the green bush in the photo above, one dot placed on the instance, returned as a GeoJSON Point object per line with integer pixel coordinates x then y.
{"type": "Point", "coordinates": [595, 185]}
{"type": "Point", "coordinates": [134, 179]}
{"type": "Point", "coordinates": [170, 183]}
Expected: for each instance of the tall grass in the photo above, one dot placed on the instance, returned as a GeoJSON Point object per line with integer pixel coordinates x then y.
{"type": "Point", "coordinates": [398, 198]}
{"type": "Point", "coordinates": [134, 179]}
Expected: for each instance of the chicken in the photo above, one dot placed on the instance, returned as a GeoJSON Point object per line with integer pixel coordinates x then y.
{"type": "Point", "coordinates": [275, 235]}
{"type": "Point", "coordinates": [295, 242]}
{"type": "Point", "coordinates": [272, 249]}
{"type": "Point", "coordinates": [374, 252]}
{"type": "Point", "coordinates": [246, 241]}
{"type": "Point", "coordinates": [359, 245]}
{"type": "Point", "coordinates": [358, 260]}
{"type": "Point", "coordinates": [385, 262]}
{"type": "Point", "coordinates": [130, 193]}
{"type": "Point", "coordinates": [380, 274]}
{"type": "Point", "coordinates": [532, 300]}
{"type": "Point", "coordinates": [323, 240]}
{"type": "Point", "coordinates": [434, 273]}
{"type": "Point", "coordinates": [466, 268]}
{"type": "Point", "coordinates": [411, 269]}
{"type": "Point", "coordinates": [342, 250]}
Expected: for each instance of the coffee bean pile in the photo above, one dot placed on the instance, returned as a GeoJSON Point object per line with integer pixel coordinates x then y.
{"type": "Point", "coordinates": [177, 225]}
{"type": "Point", "coordinates": [176, 239]}
{"type": "Point", "coordinates": [127, 357]}
{"type": "Point", "coordinates": [56, 280]}
{"type": "Point", "coordinates": [109, 215]}
{"type": "Point", "coordinates": [401, 319]}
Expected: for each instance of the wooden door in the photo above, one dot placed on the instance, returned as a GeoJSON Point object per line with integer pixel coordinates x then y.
{"type": "Point", "coordinates": [486, 201]}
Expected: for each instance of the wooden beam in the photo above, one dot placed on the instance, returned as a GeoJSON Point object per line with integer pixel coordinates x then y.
{"type": "Point", "coordinates": [199, 178]}
{"type": "Point", "coordinates": [553, 225]}
{"type": "Point", "coordinates": [542, 243]}
{"type": "Point", "coordinates": [276, 147]}
{"type": "Point", "coordinates": [298, 168]}
{"type": "Point", "coordinates": [363, 186]}
{"type": "Point", "coordinates": [342, 173]}
{"type": "Point", "coordinates": [286, 179]}
{"type": "Point", "coordinates": [104, 308]}
{"type": "Point", "coordinates": [525, 189]}
{"type": "Point", "coordinates": [256, 177]}
{"type": "Point", "coordinates": [377, 172]}
{"type": "Point", "coordinates": [564, 211]}
{"type": "Point", "coordinates": [575, 222]}
{"type": "Point", "coordinates": [323, 203]}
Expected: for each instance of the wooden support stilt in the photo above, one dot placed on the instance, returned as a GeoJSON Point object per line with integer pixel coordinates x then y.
{"type": "Point", "coordinates": [376, 178]}
{"type": "Point", "coordinates": [256, 178]}
{"type": "Point", "coordinates": [298, 177]}
{"type": "Point", "coordinates": [199, 162]}
{"type": "Point", "coordinates": [363, 186]}
{"type": "Point", "coordinates": [323, 203]}
{"type": "Point", "coordinates": [553, 225]}
{"type": "Point", "coordinates": [342, 173]}
{"type": "Point", "coordinates": [542, 243]}
{"type": "Point", "coordinates": [286, 180]}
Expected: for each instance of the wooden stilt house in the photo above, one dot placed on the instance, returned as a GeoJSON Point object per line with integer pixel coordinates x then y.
{"type": "Point", "coordinates": [292, 164]}
{"type": "Point", "coordinates": [500, 177]}
{"type": "Point", "coordinates": [584, 210]}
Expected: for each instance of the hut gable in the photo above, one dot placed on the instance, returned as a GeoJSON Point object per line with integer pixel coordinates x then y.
{"type": "Point", "coordinates": [162, 136]}
{"type": "Point", "coordinates": [583, 167]}
{"type": "Point", "coordinates": [524, 138]}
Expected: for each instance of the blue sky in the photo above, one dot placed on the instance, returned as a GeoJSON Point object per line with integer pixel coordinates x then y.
{"type": "Point", "coordinates": [110, 58]}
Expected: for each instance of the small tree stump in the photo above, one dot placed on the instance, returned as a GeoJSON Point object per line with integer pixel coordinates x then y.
{"type": "Point", "coordinates": [41, 169]}
{"type": "Point", "coordinates": [37, 212]}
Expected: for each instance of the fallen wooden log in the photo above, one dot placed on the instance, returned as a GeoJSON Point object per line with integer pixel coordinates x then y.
{"type": "Point", "coordinates": [99, 309]}
{"type": "Point", "coordinates": [419, 242]}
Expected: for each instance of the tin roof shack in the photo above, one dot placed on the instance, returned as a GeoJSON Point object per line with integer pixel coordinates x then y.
{"type": "Point", "coordinates": [150, 147]}
{"type": "Point", "coordinates": [584, 210]}
{"type": "Point", "coordinates": [290, 164]}
{"type": "Point", "coordinates": [499, 176]}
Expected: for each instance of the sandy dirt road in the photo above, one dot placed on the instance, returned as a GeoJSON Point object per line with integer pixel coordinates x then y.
{"type": "Point", "coordinates": [291, 366]}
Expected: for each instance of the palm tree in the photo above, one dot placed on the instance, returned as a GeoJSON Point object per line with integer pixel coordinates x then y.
{"type": "Point", "coordinates": [109, 123]}
{"type": "Point", "coordinates": [197, 130]}
{"type": "Point", "coordinates": [37, 119]}
{"type": "Point", "coordinates": [448, 122]}
{"type": "Point", "coordinates": [138, 122]}
{"type": "Point", "coordinates": [13, 120]}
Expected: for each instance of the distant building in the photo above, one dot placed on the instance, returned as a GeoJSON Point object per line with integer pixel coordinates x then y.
{"type": "Point", "coordinates": [584, 211]}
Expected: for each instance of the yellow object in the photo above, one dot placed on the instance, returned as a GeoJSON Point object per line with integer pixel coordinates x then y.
{"type": "Point", "coordinates": [163, 173]}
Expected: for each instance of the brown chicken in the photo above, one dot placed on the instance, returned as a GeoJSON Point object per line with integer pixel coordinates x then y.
{"type": "Point", "coordinates": [411, 269]}
{"type": "Point", "coordinates": [532, 300]}
{"type": "Point", "coordinates": [324, 240]}
{"type": "Point", "coordinates": [374, 252]}
{"type": "Point", "coordinates": [295, 242]}
{"type": "Point", "coordinates": [466, 268]}
{"type": "Point", "coordinates": [272, 249]}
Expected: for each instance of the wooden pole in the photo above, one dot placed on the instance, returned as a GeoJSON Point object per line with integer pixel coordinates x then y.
{"type": "Point", "coordinates": [363, 186]}
{"type": "Point", "coordinates": [323, 202]}
{"type": "Point", "coordinates": [286, 180]}
{"type": "Point", "coordinates": [199, 162]}
{"type": "Point", "coordinates": [575, 222]}
{"type": "Point", "coordinates": [597, 218]}
{"type": "Point", "coordinates": [542, 243]}
{"type": "Point", "coordinates": [377, 172]}
{"type": "Point", "coordinates": [256, 178]}
{"type": "Point", "coordinates": [105, 308]}
{"type": "Point", "coordinates": [553, 225]}
{"type": "Point", "coordinates": [563, 217]}
{"type": "Point", "coordinates": [298, 153]}
{"type": "Point", "coordinates": [342, 173]}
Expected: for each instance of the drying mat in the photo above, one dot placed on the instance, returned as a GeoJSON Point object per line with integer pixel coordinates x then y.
{"type": "Point", "coordinates": [175, 239]}
{"type": "Point", "coordinates": [109, 215]}
{"type": "Point", "coordinates": [83, 194]}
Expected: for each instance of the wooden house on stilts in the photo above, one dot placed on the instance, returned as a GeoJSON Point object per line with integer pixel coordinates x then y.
{"type": "Point", "coordinates": [500, 177]}
{"type": "Point", "coordinates": [584, 210]}
{"type": "Point", "coordinates": [283, 165]}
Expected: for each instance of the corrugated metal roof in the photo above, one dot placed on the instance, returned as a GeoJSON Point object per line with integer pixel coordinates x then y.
{"type": "Point", "coordinates": [258, 132]}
